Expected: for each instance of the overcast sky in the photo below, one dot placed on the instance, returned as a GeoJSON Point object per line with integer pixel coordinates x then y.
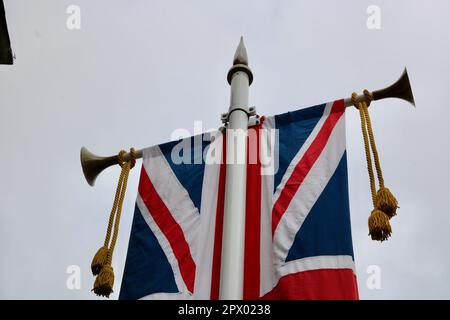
{"type": "Point", "coordinates": [137, 70]}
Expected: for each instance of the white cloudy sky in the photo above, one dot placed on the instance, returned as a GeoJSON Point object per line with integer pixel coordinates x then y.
{"type": "Point", "coordinates": [139, 69]}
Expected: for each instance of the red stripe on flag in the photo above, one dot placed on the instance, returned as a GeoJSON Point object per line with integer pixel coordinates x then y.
{"type": "Point", "coordinates": [321, 284]}
{"type": "Point", "coordinates": [217, 251]}
{"type": "Point", "coordinates": [170, 228]}
{"type": "Point", "coordinates": [252, 218]}
{"type": "Point", "coordinates": [305, 164]}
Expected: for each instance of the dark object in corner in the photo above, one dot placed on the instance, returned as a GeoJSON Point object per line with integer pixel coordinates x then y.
{"type": "Point", "coordinates": [5, 45]}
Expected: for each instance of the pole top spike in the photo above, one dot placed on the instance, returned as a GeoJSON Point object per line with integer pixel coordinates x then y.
{"type": "Point", "coordinates": [240, 62]}
{"type": "Point", "coordinates": [240, 57]}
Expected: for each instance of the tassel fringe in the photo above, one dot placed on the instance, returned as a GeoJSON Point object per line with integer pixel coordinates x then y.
{"type": "Point", "coordinates": [386, 202]}
{"type": "Point", "coordinates": [99, 260]}
{"type": "Point", "coordinates": [104, 282]}
{"type": "Point", "coordinates": [379, 226]}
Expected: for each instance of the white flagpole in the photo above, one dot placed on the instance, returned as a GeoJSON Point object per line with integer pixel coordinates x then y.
{"type": "Point", "coordinates": [232, 265]}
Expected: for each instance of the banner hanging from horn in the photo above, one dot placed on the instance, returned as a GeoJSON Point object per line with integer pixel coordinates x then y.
{"type": "Point", "coordinates": [297, 232]}
{"type": "Point", "coordinates": [297, 239]}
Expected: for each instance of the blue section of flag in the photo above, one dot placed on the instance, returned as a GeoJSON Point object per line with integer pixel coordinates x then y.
{"type": "Point", "coordinates": [190, 174]}
{"type": "Point", "coordinates": [145, 258]}
{"type": "Point", "coordinates": [293, 129]}
{"type": "Point", "coordinates": [326, 230]}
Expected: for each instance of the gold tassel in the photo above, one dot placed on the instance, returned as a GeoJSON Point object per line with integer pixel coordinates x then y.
{"type": "Point", "coordinates": [104, 282]}
{"type": "Point", "coordinates": [379, 226]}
{"type": "Point", "coordinates": [101, 264]}
{"type": "Point", "coordinates": [100, 257]}
{"type": "Point", "coordinates": [99, 260]}
{"type": "Point", "coordinates": [386, 202]}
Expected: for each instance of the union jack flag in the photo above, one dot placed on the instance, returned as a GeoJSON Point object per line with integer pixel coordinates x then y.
{"type": "Point", "coordinates": [297, 233]}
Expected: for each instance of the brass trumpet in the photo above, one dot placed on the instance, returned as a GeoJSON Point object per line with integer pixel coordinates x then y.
{"type": "Point", "coordinates": [400, 89]}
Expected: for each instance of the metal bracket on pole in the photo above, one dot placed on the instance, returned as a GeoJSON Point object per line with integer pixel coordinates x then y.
{"type": "Point", "coordinates": [253, 118]}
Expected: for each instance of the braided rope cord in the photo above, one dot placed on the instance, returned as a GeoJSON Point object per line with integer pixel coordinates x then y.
{"type": "Point", "coordinates": [116, 199]}
{"type": "Point", "coordinates": [373, 146]}
{"type": "Point", "coordinates": [361, 106]}
{"type": "Point", "coordinates": [121, 189]}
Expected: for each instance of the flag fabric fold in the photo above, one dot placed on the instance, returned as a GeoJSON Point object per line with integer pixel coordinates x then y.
{"type": "Point", "coordinates": [297, 237]}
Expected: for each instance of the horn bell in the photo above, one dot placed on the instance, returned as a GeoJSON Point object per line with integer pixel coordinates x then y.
{"type": "Point", "coordinates": [92, 164]}
{"type": "Point", "coordinates": [400, 89]}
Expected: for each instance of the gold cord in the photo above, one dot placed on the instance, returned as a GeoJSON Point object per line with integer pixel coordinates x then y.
{"type": "Point", "coordinates": [384, 202]}
{"type": "Point", "coordinates": [116, 199]}
{"type": "Point", "coordinates": [362, 106]}
{"type": "Point", "coordinates": [369, 98]}
{"type": "Point", "coordinates": [101, 264]}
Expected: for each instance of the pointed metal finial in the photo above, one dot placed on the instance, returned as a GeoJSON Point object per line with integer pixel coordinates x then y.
{"type": "Point", "coordinates": [240, 57]}
{"type": "Point", "coordinates": [240, 62]}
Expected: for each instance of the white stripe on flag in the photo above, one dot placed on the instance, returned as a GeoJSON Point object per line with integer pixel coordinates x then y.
{"type": "Point", "coordinates": [309, 191]}
{"type": "Point", "coordinates": [207, 223]}
{"type": "Point", "coordinates": [301, 152]}
{"type": "Point", "coordinates": [163, 242]}
{"type": "Point", "coordinates": [173, 194]}
{"type": "Point", "coordinates": [316, 263]}
{"type": "Point", "coordinates": [267, 270]}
